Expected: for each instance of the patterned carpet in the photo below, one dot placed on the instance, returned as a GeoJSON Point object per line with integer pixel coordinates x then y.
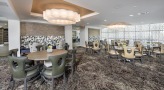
{"type": "Point", "coordinates": [96, 72]}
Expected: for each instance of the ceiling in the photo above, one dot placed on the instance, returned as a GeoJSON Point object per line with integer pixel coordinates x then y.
{"type": "Point", "coordinates": [112, 11]}
{"type": "Point", "coordinates": [38, 6]}
{"type": "Point", "coordinates": [7, 10]}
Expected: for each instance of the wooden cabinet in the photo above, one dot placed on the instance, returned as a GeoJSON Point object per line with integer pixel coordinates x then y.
{"type": "Point", "coordinates": [3, 35]}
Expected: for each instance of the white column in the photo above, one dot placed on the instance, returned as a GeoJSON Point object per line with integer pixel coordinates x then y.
{"type": "Point", "coordinates": [14, 35]}
{"type": "Point", "coordinates": [68, 35]}
{"type": "Point", "coordinates": [83, 36]}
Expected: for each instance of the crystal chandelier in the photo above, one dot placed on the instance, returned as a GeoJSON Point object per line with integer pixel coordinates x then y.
{"type": "Point", "coordinates": [61, 16]}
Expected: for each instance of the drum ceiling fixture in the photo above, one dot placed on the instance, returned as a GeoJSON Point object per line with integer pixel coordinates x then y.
{"type": "Point", "coordinates": [61, 16]}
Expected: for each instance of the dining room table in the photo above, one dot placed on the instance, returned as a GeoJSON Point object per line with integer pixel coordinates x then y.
{"type": "Point", "coordinates": [43, 55]}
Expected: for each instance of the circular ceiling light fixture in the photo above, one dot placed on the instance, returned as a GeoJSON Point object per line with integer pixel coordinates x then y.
{"type": "Point", "coordinates": [118, 25]}
{"type": "Point", "coordinates": [61, 16]}
{"type": "Point", "coordinates": [131, 15]}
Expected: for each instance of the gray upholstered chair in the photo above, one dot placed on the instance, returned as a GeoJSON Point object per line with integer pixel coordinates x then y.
{"type": "Point", "coordinates": [4, 50]}
{"type": "Point", "coordinates": [39, 47]}
{"type": "Point", "coordinates": [19, 72]}
{"type": "Point", "coordinates": [13, 52]}
{"type": "Point", "coordinates": [57, 69]}
{"type": "Point", "coordinates": [71, 62]}
{"type": "Point", "coordinates": [66, 46]}
{"type": "Point", "coordinates": [29, 63]}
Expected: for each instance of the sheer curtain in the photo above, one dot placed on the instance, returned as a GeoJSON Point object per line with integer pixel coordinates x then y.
{"type": "Point", "coordinates": [144, 33]}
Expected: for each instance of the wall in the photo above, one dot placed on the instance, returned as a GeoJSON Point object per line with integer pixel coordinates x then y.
{"type": "Point", "coordinates": [37, 29]}
{"type": "Point", "coordinates": [93, 34]}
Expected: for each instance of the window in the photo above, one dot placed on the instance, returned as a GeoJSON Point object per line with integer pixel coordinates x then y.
{"type": "Point", "coordinates": [144, 33]}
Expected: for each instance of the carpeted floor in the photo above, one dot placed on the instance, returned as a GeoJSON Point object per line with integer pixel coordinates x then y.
{"type": "Point", "coordinates": [96, 72]}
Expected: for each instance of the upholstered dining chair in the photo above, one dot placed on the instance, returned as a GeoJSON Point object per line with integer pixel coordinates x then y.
{"type": "Point", "coordinates": [66, 46]}
{"type": "Point", "coordinates": [28, 63]}
{"type": "Point", "coordinates": [13, 52]}
{"type": "Point", "coordinates": [39, 47]}
{"type": "Point", "coordinates": [112, 43]}
{"type": "Point", "coordinates": [19, 72]}
{"type": "Point", "coordinates": [159, 52]}
{"type": "Point", "coordinates": [87, 47]}
{"type": "Point", "coordinates": [139, 55]}
{"type": "Point", "coordinates": [57, 70]}
{"type": "Point", "coordinates": [128, 55]}
{"type": "Point", "coordinates": [71, 62]}
{"type": "Point", "coordinates": [96, 47]}
{"type": "Point", "coordinates": [4, 50]}
{"type": "Point", "coordinates": [112, 52]}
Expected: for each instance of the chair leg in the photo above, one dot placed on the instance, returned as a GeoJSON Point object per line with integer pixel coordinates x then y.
{"type": "Point", "coordinates": [64, 81]}
{"type": "Point", "coordinates": [108, 57]}
{"type": "Point", "coordinates": [72, 72]}
{"type": "Point", "coordinates": [13, 84]}
{"type": "Point", "coordinates": [10, 83]}
{"type": "Point", "coordinates": [124, 60]}
{"type": "Point", "coordinates": [25, 84]}
{"type": "Point", "coordinates": [52, 87]}
{"type": "Point", "coordinates": [141, 59]}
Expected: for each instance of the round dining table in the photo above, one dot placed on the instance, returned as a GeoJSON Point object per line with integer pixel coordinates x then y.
{"type": "Point", "coordinates": [43, 55]}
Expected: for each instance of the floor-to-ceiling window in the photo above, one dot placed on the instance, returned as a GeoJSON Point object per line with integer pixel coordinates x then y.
{"type": "Point", "coordinates": [144, 33]}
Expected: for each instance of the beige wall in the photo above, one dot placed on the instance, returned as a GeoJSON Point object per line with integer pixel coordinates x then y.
{"type": "Point", "coordinates": [37, 29]}
{"type": "Point", "coordinates": [93, 32]}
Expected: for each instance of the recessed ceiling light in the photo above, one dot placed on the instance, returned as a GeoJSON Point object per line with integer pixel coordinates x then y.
{"type": "Point", "coordinates": [131, 15]}
{"type": "Point", "coordinates": [87, 23]}
{"type": "Point", "coordinates": [143, 13]}
{"type": "Point", "coordinates": [138, 13]}
{"type": "Point", "coordinates": [105, 20]}
{"type": "Point", "coordinates": [147, 12]}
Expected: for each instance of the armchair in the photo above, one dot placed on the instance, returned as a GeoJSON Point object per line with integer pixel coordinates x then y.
{"type": "Point", "coordinates": [127, 55]}
{"type": "Point", "coordinates": [19, 72]}
{"type": "Point", "coordinates": [57, 69]}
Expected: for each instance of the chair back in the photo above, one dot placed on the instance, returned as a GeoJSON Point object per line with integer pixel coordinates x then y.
{"type": "Point", "coordinates": [58, 64]}
{"type": "Point", "coordinates": [140, 46]}
{"type": "Point", "coordinates": [127, 42]}
{"type": "Point", "coordinates": [95, 44]}
{"type": "Point", "coordinates": [13, 52]}
{"type": "Point", "coordinates": [40, 47]}
{"type": "Point", "coordinates": [127, 54]}
{"type": "Point", "coordinates": [66, 46]}
{"type": "Point", "coordinates": [4, 50]}
{"type": "Point", "coordinates": [17, 66]}
{"type": "Point", "coordinates": [112, 42]}
{"type": "Point", "coordinates": [108, 47]}
{"type": "Point", "coordinates": [162, 48]}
